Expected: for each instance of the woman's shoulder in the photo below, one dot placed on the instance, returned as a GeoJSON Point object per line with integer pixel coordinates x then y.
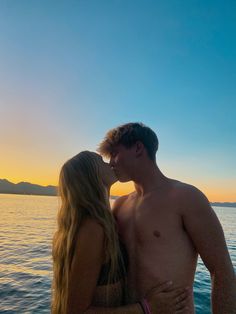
{"type": "Point", "coordinates": [89, 243]}
{"type": "Point", "coordinates": [91, 223]}
{"type": "Point", "coordinates": [91, 227]}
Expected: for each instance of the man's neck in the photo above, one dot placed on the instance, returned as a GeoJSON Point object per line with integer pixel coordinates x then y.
{"type": "Point", "coordinates": [150, 178]}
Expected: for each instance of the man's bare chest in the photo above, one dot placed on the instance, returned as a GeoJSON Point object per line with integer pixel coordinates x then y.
{"type": "Point", "coordinates": [149, 222]}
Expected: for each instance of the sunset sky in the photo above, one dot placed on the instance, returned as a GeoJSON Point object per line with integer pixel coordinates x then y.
{"type": "Point", "coordinates": [71, 70]}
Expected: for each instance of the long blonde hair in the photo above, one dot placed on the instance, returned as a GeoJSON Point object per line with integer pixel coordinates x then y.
{"type": "Point", "coordinates": [83, 195]}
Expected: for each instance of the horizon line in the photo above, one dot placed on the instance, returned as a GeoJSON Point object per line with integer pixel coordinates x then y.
{"type": "Point", "coordinates": [49, 185]}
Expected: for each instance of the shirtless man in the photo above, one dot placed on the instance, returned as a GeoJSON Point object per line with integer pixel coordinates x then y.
{"type": "Point", "coordinates": [165, 223]}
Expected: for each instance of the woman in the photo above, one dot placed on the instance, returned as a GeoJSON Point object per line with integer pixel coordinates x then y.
{"type": "Point", "coordinates": [89, 262]}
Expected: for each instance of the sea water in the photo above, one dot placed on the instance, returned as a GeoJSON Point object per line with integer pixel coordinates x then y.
{"type": "Point", "coordinates": [27, 224]}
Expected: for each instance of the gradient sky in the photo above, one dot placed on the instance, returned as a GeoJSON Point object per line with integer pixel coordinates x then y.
{"type": "Point", "coordinates": [71, 70]}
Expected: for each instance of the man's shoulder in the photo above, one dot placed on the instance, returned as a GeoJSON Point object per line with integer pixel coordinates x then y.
{"type": "Point", "coordinates": [187, 192]}
{"type": "Point", "coordinates": [119, 201]}
{"type": "Point", "coordinates": [190, 196]}
{"type": "Point", "coordinates": [184, 188]}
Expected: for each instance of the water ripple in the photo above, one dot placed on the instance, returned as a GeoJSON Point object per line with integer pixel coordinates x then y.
{"type": "Point", "coordinates": [28, 223]}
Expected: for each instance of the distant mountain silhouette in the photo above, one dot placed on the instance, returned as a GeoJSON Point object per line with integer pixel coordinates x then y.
{"type": "Point", "coordinates": [8, 187]}
{"type": "Point", "coordinates": [224, 204]}
{"type": "Point", "coordinates": [26, 188]}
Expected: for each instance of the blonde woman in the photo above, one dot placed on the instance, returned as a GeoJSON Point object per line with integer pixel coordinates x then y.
{"type": "Point", "coordinates": [89, 261]}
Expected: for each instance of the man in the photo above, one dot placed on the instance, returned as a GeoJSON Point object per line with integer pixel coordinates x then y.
{"type": "Point", "coordinates": [165, 223]}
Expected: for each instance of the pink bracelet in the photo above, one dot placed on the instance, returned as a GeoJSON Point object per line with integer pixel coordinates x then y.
{"type": "Point", "coordinates": [145, 306]}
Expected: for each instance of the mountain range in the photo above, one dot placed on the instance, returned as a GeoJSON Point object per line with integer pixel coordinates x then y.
{"type": "Point", "coordinates": [27, 188]}
{"type": "Point", "coordinates": [8, 187]}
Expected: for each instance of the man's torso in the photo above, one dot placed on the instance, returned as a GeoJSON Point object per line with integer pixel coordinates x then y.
{"type": "Point", "coordinates": [158, 246]}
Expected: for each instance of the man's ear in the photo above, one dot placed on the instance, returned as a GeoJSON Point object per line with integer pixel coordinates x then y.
{"type": "Point", "coordinates": [139, 147]}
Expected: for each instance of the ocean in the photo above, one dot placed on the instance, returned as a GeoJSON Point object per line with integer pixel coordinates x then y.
{"type": "Point", "coordinates": [27, 224]}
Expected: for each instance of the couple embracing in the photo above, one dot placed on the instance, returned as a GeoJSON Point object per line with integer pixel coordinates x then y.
{"type": "Point", "coordinates": [139, 256]}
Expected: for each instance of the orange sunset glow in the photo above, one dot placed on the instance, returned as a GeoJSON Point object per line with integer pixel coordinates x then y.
{"type": "Point", "coordinates": [29, 166]}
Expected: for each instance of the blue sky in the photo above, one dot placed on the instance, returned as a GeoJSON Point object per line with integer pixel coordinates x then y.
{"type": "Point", "coordinates": [70, 70]}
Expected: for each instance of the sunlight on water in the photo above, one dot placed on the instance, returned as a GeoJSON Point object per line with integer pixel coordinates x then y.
{"type": "Point", "coordinates": [27, 224]}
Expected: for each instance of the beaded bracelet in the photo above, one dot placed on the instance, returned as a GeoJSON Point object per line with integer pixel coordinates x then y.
{"type": "Point", "coordinates": [145, 306]}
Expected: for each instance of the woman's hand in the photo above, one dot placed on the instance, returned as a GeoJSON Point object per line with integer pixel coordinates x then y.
{"type": "Point", "coordinates": [163, 299]}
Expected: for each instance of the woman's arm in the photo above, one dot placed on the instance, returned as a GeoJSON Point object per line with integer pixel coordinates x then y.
{"type": "Point", "coordinates": [162, 299]}
{"type": "Point", "coordinates": [85, 271]}
{"type": "Point", "coordinates": [86, 266]}
{"type": "Point", "coordinates": [126, 309]}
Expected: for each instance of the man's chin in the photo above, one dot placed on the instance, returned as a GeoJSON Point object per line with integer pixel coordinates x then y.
{"type": "Point", "coordinates": [124, 180]}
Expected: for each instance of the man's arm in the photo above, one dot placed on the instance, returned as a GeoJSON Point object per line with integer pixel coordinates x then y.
{"type": "Point", "coordinates": [205, 230]}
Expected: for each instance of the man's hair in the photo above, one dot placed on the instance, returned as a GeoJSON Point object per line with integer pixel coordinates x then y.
{"type": "Point", "coordinates": [128, 134]}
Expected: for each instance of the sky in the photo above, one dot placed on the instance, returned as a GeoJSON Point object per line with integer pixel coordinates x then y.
{"type": "Point", "coordinates": [72, 70]}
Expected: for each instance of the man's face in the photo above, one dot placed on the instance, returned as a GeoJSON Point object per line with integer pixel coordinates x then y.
{"type": "Point", "coordinates": [122, 161]}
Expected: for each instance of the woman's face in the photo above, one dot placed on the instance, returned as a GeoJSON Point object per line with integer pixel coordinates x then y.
{"type": "Point", "coordinates": [108, 175]}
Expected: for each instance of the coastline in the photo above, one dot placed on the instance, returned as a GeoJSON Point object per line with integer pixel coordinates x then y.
{"type": "Point", "coordinates": [216, 204]}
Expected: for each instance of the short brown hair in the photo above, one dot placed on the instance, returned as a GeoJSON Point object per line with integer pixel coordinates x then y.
{"type": "Point", "coordinates": [128, 134]}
